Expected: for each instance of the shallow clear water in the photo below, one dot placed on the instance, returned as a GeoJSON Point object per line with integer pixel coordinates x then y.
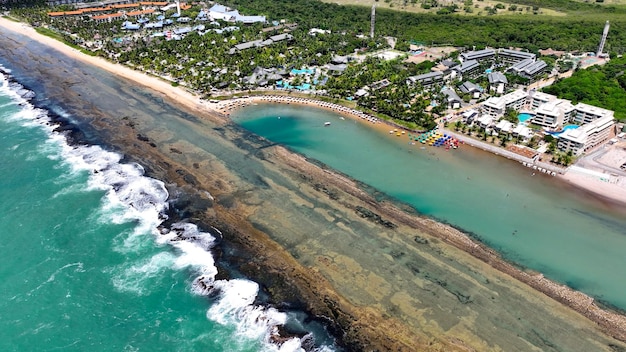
{"type": "Point", "coordinates": [85, 264]}
{"type": "Point", "coordinates": [533, 220]}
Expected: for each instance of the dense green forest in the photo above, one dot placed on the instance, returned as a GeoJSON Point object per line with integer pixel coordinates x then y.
{"type": "Point", "coordinates": [603, 86]}
{"type": "Point", "coordinates": [566, 5]}
{"type": "Point", "coordinates": [580, 32]}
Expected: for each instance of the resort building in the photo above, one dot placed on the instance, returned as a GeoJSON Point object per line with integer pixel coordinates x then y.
{"type": "Point", "coordinates": [446, 66]}
{"type": "Point", "coordinates": [468, 116]}
{"type": "Point", "coordinates": [426, 79]}
{"type": "Point", "coordinates": [538, 98]}
{"type": "Point", "coordinates": [259, 43]}
{"type": "Point", "coordinates": [534, 69]}
{"type": "Point", "coordinates": [468, 69]}
{"type": "Point", "coordinates": [553, 113]}
{"type": "Point", "coordinates": [584, 138]}
{"type": "Point", "coordinates": [479, 55]}
{"type": "Point", "coordinates": [452, 99]}
{"type": "Point", "coordinates": [470, 88]}
{"type": "Point", "coordinates": [585, 113]}
{"type": "Point", "coordinates": [519, 66]}
{"type": "Point", "coordinates": [497, 82]}
{"type": "Point", "coordinates": [523, 132]}
{"type": "Point", "coordinates": [221, 12]}
{"type": "Point", "coordinates": [497, 106]}
{"type": "Point", "coordinates": [485, 121]}
{"type": "Point", "coordinates": [528, 68]}
{"type": "Point", "coordinates": [504, 126]}
{"type": "Point", "coordinates": [509, 57]}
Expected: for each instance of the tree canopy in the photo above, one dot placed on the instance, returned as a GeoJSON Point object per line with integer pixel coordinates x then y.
{"type": "Point", "coordinates": [598, 85]}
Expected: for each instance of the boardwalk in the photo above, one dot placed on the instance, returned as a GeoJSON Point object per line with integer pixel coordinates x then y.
{"type": "Point", "coordinates": [530, 162]}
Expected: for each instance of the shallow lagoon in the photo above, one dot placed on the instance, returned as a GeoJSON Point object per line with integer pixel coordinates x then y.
{"type": "Point", "coordinates": [533, 220]}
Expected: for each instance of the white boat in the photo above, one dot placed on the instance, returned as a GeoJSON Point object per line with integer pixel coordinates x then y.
{"type": "Point", "coordinates": [326, 123]}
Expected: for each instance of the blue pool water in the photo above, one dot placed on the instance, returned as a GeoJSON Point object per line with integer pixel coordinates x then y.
{"type": "Point", "coordinates": [523, 117]}
{"type": "Point", "coordinates": [303, 71]}
{"type": "Point", "coordinates": [565, 128]}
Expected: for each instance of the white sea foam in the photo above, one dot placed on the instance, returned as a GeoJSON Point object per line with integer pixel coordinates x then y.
{"type": "Point", "coordinates": [142, 275]}
{"type": "Point", "coordinates": [132, 197]}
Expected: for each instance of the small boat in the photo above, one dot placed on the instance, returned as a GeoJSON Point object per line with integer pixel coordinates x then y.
{"type": "Point", "coordinates": [326, 123]}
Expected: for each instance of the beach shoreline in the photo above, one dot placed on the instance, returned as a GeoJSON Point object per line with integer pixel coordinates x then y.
{"type": "Point", "coordinates": [613, 323]}
{"type": "Point", "coordinates": [608, 192]}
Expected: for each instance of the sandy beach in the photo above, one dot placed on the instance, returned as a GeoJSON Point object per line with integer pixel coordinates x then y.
{"type": "Point", "coordinates": [365, 325]}
{"type": "Point", "coordinates": [192, 101]}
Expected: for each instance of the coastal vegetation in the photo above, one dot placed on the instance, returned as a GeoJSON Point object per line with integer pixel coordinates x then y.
{"type": "Point", "coordinates": [207, 63]}
{"type": "Point", "coordinates": [597, 85]}
{"type": "Point", "coordinates": [67, 40]}
{"type": "Point", "coordinates": [580, 30]}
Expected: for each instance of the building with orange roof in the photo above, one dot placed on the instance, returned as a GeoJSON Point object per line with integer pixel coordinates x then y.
{"type": "Point", "coordinates": [153, 3]}
{"type": "Point", "coordinates": [97, 9]}
{"type": "Point", "coordinates": [108, 17]}
{"type": "Point", "coordinates": [139, 13]}
{"type": "Point", "coordinates": [73, 13]}
{"type": "Point", "coordinates": [125, 6]}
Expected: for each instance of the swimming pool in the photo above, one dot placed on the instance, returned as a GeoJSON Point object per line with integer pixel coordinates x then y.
{"type": "Point", "coordinates": [523, 117]}
{"type": "Point", "coordinates": [303, 71]}
{"type": "Point", "coordinates": [565, 128]}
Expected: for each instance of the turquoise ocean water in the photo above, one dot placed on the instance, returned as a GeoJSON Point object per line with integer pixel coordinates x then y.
{"type": "Point", "coordinates": [532, 220]}
{"type": "Point", "coordinates": [87, 266]}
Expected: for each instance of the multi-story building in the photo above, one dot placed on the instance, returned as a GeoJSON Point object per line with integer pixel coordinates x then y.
{"type": "Point", "coordinates": [509, 57]}
{"type": "Point", "coordinates": [478, 55]}
{"type": "Point", "coordinates": [497, 106]}
{"type": "Point", "coordinates": [452, 99]}
{"type": "Point", "coordinates": [528, 68]}
{"type": "Point", "coordinates": [426, 79]}
{"type": "Point", "coordinates": [585, 113]}
{"type": "Point", "coordinates": [533, 70]}
{"type": "Point", "coordinates": [583, 138]}
{"type": "Point", "coordinates": [468, 69]}
{"type": "Point", "coordinates": [470, 88]}
{"type": "Point", "coordinates": [497, 82]}
{"type": "Point", "coordinates": [553, 113]}
{"type": "Point", "coordinates": [537, 98]}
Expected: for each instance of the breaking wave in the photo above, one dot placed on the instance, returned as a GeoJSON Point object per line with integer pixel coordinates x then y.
{"type": "Point", "coordinates": [132, 197]}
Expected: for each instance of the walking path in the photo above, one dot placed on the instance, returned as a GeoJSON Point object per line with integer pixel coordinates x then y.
{"type": "Point", "coordinates": [530, 162]}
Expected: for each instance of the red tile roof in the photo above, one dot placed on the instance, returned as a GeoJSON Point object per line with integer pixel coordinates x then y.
{"type": "Point", "coordinates": [111, 15]}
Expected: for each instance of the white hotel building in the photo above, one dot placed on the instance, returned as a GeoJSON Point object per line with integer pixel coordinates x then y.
{"type": "Point", "coordinates": [550, 112]}
{"type": "Point", "coordinates": [587, 136]}
{"type": "Point", "coordinates": [553, 113]}
{"type": "Point", "coordinates": [497, 106]}
{"type": "Point", "coordinates": [586, 113]}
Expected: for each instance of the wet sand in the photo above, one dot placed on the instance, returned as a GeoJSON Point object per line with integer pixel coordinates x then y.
{"type": "Point", "coordinates": [386, 278]}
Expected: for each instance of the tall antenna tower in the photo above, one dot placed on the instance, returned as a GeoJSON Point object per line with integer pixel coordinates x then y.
{"type": "Point", "coordinates": [178, 7]}
{"type": "Point", "coordinates": [373, 23]}
{"type": "Point", "coordinates": [603, 40]}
